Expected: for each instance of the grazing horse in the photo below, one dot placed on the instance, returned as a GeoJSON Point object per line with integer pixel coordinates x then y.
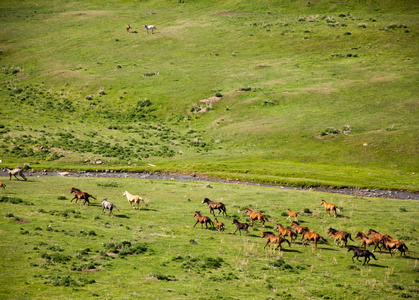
{"type": "Point", "coordinates": [286, 232]}
{"type": "Point", "coordinates": [292, 214]}
{"type": "Point", "coordinates": [219, 225]}
{"type": "Point", "coordinates": [256, 215]}
{"type": "Point", "coordinates": [14, 172]}
{"type": "Point", "coordinates": [240, 226]}
{"type": "Point", "coordinates": [298, 229]}
{"type": "Point", "coordinates": [330, 207]}
{"type": "Point", "coordinates": [203, 220]}
{"type": "Point", "coordinates": [340, 236]}
{"type": "Point", "coordinates": [310, 235]}
{"type": "Point", "coordinates": [108, 205]}
{"type": "Point", "coordinates": [134, 199]}
{"type": "Point", "coordinates": [274, 239]}
{"type": "Point", "coordinates": [2, 186]}
{"type": "Point", "coordinates": [368, 241]}
{"type": "Point", "coordinates": [391, 244]}
{"type": "Point", "coordinates": [128, 28]}
{"type": "Point", "coordinates": [79, 195]}
{"type": "Point", "coordinates": [358, 252]}
{"type": "Point", "coordinates": [150, 27]}
{"type": "Point", "coordinates": [215, 205]}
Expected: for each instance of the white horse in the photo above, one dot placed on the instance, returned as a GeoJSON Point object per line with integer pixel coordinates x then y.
{"type": "Point", "coordinates": [134, 198]}
{"type": "Point", "coordinates": [150, 27]}
{"type": "Point", "coordinates": [108, 205]}
{"type": "Point", "coordinates": [16, 171]}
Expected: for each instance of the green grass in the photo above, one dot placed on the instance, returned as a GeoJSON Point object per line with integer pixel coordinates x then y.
{"type": "Point", "coordinates": [52, 248]}
{"type": "Point", "coordinates": [73, 81]}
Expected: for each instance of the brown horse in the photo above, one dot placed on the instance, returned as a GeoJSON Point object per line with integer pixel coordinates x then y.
{"type": "Point", "coordinates": [298, 229]}
{"type": "Point", "coordinates": [330, 207]}
{"type": "Point", "coordinates": [368, 241]}
{"type": "Point", "coordinates": [2, 186]}
{"type": "Point", "coordinates": [395, 244]}
{"type": "Point", "coordinates": [274, 239]}
{"type": "Point", "coordinates": [256, 215]}
{"type": "Point", "coordinates": [313, 236]}
{"type": "Point", "coordinates": [286, 232]}
{"type": "Point", "coordinates": [378, 236]}
{"type": "Point", "coordinates": [203, 220]}
{"type": "Point", "coordinates": [292, 214]}
{"type": "Point", "coordinates": [219, 225]}
{"type": "Point", "coordinates": [128, 28]}
{"type": "Point", "coordinates": [340, 236]}
{"type": "Point", "coordinates": [79, 195]}
{"type": "Point", "coordinates": [215, 205]}
{"type": "Point", "coordinates": [240, 226]}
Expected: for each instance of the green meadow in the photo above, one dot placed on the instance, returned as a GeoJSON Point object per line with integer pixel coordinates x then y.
{"type": "Point", "coordinates": [56, 249]}
{"type": "Point", "coordinates": [320, 93]}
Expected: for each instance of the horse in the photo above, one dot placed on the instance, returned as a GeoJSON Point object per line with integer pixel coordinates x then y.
{"type": "Point", "coordinates": [215, 205]}
{"type": "Point", "coordinates": [358, 252]}
{"type": "Point", "coordinates": [219, 225]}
{"type": "Point", "coordinates": [150, 27]}
{"type": "Point", "coordinates": [310, 235]}
{"type": "Point", "coordinates": [379, 236]}
{"type": "Point", "coordinates": [368, 241]}
{"type": "Point", "coordinates": [203, 220]}
{"type": "Point", "coordinates": [108, 205]}
{"type": "Point", "coordinates": [14, 172]}
{"type": "Point", "coordinates": [286, 232]}
{"type": "Point", "coordinates": [79, 195]}
{"type": "Point", "coordinates": [256, 215]}
{"type": "Point", "coordinates": [2, 186]}
{"type": "Point", "coordinates": [128, 28]}
{"type": "Point", "coordinates": [134, 198]}
{"type": "Point", "coordinates": [340, 236]}
{"type": "Point", "coordinates": [274, 239]}
{"type": "Point", "coordinates": [292, 214]}
{"type": "Point", "coordinates": [298, 229]}
{"type": "Point", "coordinates": [330, 207]}
{"type": "Point", "coordinates": [391, 244]}
{"type": "Point", "coordinates": [240, 226]}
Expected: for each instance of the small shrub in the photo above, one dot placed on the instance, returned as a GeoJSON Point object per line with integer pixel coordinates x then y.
{"type": "Point", "coordinates": [307, 211]}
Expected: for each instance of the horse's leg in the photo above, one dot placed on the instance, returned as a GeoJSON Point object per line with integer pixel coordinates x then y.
{"type": "Point", "coordinates": [266, 244]}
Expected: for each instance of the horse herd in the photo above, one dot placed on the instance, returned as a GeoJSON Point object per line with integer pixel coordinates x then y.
{"type": "Point", "coordinates": [371, 238]}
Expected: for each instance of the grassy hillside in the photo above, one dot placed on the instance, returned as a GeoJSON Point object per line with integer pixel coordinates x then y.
{"type": "Point", "coordinates": [310, 94]}
{"type": "Point", "coordinates": [54, 249]}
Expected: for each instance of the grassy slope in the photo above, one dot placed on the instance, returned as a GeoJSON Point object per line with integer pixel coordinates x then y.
{"type": "Point", "coordinates": [300, 68]}
{"type": "Point", "coordinates": [180, 260]}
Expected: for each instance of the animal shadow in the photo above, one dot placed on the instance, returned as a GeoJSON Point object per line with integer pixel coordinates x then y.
{"type": "Point", "coordinates": [121, 216]}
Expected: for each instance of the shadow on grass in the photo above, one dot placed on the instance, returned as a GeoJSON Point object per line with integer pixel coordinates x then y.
{"type": "Point", "coordinates": [121, 216]}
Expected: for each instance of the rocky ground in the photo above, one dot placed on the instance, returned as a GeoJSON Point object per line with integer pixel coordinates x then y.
{"type": "Point", "coordinates": [207, 180]}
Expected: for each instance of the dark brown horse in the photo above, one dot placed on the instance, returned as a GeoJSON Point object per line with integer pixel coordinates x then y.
{"type": "Point", "coordinates": [241, 226]}
{"type": "Point", "coordinates": [286, 232]}
{"type": "Point", "coordinates": [358, 252]}
{"type": "Point", "coordinates": [274, 239]}
{"type": "Point", "coordinates": [341, 236]}
{"type": "Point", "coordinates": [203, 220]}
{"type": "Point", "coordinates": [215, 205]}
{"type": "Point", "coordinates": [79, 195]}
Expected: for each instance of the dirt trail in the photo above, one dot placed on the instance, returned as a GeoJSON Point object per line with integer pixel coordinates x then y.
{"type": "Point", "coordinates": [182, 177]}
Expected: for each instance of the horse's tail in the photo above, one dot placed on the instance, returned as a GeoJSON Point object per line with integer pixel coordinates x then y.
{"type": "Point", "coordinates": [373, 256]}
{"type": "Point", "coordinates": [265, 218]}
{"type": "Point", "coordinates": [288, 242]}
{"type": "Point", "coordinates": [323, 239]}
{"type": "Point", "coordinates": [115, 207]}
{"type": "Point", "coordinates": [350, 237]}
{"type": "Point", "coordinates": [91, 196]}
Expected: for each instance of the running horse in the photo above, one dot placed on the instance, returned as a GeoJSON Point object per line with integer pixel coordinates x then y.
{"type": "Point", "coordinates": [134, 199]}
{"type": "Point", "coordinates": [341, 236]}
{"type": "Point", "coordinates": [2, 186]}
{"type": "Point", "coordinates": [274, 239]}
{"type": "Point", "coordinates": [219, 225]}
{"type": "Point", "coordinates": [14, 172]}
{"type": "Point", "coordinates": [286, 232]}
{"type": "Point", "coordinates": [108, 205]}
{"type": "Point", "coordinates": [241, 226]}
{"type": "Point", "coordinates": [215, 205]}
{"type": "Point", "coordinates": [395, 244]}
{"type": "Point", "coordinates": [330, 207]}
{"type": "Point", "coordinates": [292, 214]}
{"type": "Point", "coordinates": [298, 229]}
{"type": "Point", "coordinates": [313, 236]}
{"type": "Point", "coordinates": [203, 220]}
{"type": "Point", "coordinates": [128, 28]}
{"type": "Point", "coordinates": [256, 215]}
{"type": "Point", "coordinates": [358, 252]}
{"type": "Point", "coordinates": [365, 240]}
{"type": "Point", "coordinates": [79, 195]}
